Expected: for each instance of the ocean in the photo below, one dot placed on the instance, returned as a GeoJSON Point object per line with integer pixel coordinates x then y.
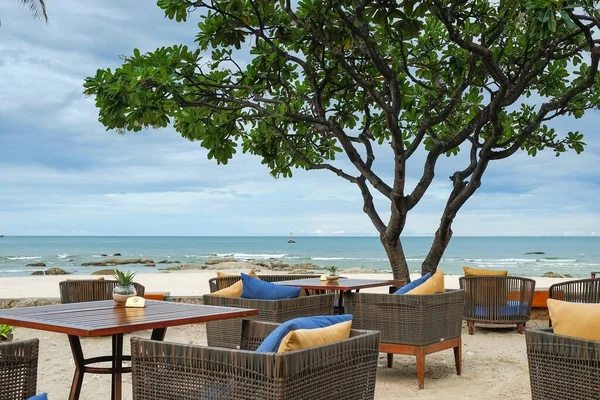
{"type": "Point", "coordinates": [577, 256]}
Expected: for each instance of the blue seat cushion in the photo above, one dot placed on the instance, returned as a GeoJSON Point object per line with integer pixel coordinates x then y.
{"type": "Point", "coordinates": [42, 396]}
{"type": "Point", "coordinates": [256, 289]}
{"type": "Point", "coordinates": [273, 340]}
{"type": "Point", "coordinates": [410, 286]}
{"type": "Point", "coordinates": [512, 308]}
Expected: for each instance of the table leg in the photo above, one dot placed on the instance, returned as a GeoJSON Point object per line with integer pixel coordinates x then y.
{"type": "Point", "coordinates": [117, 366]}
{"type": "Point", "coordinates": [79, 367]}
{"type": "Point", "coordinates": [158, 334]}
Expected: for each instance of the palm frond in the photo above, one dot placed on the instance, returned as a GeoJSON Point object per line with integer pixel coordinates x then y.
{"type": "Point", "coordinates": [37, 8]}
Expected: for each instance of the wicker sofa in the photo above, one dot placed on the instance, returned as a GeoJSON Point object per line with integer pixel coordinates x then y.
{"type": "Point", "coordinates": [562, 367]}
{"type": "Point", "coordinates": [18, 369]}
{"type": "Point", "coordinates": [90, 290]}
{"type": "Point", "coordinates": [226, 333]}
{"type": "Point", "coordinates": [497, 300]}
{"type": "Point", "coordinates": [343, 370]}
{"type": "Point", "coordinates": [226, 281]}
{"type": "Point", "coordinates": [413, 325]}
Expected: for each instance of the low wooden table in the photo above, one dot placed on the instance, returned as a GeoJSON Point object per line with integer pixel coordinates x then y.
{"type": "Point", "coordinates": [341, 285]}
{"type": "Point", "coordinates": [101, 318]}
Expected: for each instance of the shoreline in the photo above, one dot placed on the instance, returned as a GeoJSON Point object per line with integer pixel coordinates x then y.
{"type": "Point", "coordinates": [183, 283]}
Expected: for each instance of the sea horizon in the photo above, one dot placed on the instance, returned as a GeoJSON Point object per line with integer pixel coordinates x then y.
{"type": "Point", "coordinates": [520, 255]}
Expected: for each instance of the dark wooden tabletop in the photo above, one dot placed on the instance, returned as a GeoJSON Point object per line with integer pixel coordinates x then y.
{"type": "Point", "coordinates": [341, 284]}
{"type": "Point", "coordinates": [99, 318]}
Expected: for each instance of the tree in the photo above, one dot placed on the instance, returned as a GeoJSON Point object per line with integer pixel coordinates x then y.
{"type": "Point", "coordinates": [297, 83]}
{"type": "Point", "coordinates": [37, 8]}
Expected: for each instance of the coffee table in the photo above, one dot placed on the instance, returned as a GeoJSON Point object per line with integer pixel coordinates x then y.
{"type": "Point", "coordinates": [102, 318]}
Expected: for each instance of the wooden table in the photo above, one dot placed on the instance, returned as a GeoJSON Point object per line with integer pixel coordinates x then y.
{"type": "Point", "coordinates": [341, 285]}
{"type": "Point", "coordinates": [101, 318]}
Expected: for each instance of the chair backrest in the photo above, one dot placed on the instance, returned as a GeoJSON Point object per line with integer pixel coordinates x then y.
{"type": "Point", "coordinates": [497, 297]}
{"type": "Point", "coordinates": [18, 369]}
{"type": "Point", "coordinates": [226, 281]}
{"type": "Point", "coordinates": [90, 290]}
{"type": "Point", "coordinates": [578, 291]}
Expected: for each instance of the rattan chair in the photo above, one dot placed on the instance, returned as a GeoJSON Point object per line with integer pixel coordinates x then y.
{"type": "Point", "coordinates": [411, 324]}
{"type": "Point", "coordinates": [579, 291]}
{"type": "Point", "coordinates": [226, 281]}
{"type": "Point", "coordinates": [344, 370]}
{"type": "Point", "coordinates": [562, 367]}
{"type": "Point", "coordinates": [497, 300]}
{"type": "Point", "coordinates": [90, 290]}
{"type": "Point", "coordinates": [226, 333]}
{"type": "Point", "coordinates": [18, 369]}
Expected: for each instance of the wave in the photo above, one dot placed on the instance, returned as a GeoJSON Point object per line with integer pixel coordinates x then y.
{"type": "Point", "coordinates": [247, 256]}
{"type": "Point", "coordinates": [346, 258]}
{"type": "Point", "coordinates": [62, 255]}
{"type": "Point", "coordinates": [555, 260]}
{"type": "Point", "coordinates": [24, 258]}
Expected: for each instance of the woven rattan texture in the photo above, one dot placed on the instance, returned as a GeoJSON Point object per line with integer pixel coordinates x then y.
{"type": "Point", "coordinates": [497, 299]}
{"type": "Point", "coordinates": [580, 291]}
{"type": "Point", "coordinates": [226, 281]}
{"type": "Point", "coordinates": [562, 367]}
{"type": "Point", "coordinates": [90, 290]}
{"type": "Point", "coordinates": [410, 320]}
{"type": "Point", "coordinates": [226, 333]}
{"type": "Point", "coordinates": [18, 369]}
{"type": "Point", "coordinates": [343, 370]}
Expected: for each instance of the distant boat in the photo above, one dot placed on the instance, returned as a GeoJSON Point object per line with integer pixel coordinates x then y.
{"type": "Point", "coordinates": [1, 236]}
{"type": "Point", "coordinates": [291, 239]}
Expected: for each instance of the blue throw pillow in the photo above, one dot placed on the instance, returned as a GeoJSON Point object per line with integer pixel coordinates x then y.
{"type": "Point", "coordinates": [43, 396]}
{"type": "Point", "coordinates": [272, 342]}
{"type": "Point", "coordinates": [256, 289]}
{"type": "Point", "coordinates": [410, 286]}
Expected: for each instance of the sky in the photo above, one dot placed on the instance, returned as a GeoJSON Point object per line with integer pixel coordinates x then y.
{"type": "Point", "coordinates": [62, 173]}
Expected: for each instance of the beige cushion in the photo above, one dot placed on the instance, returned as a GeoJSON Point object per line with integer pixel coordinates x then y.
{"type": "Point", "coordinates": [433, 285]}
{"type": "Point", "coordinates": [252, 273]}
{"type": "Point", "coordinates": [470, 271]}
{"type": "Point", "coordinates": [301, 339]}
{"type": "Point", "coordinates": [579, 320]}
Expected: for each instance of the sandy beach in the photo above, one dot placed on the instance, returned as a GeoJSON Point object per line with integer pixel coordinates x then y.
{"type": "Point", "coordinates": [495, 363]}
{"type": "Point", "coordinates": [179, 283]}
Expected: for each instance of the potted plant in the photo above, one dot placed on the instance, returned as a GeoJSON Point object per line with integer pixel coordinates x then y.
{"type": "Point", "coordinates": [6, 333]}
{"type": "Point", "coordinates": [332, 270]}
{"type": "Point", "coordinates": [124, 288]}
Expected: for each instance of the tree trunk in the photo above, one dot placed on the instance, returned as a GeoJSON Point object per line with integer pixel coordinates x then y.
{"type": "Point", "coordinates": [395, 253]}
{"type": "Point", "coordinates": [440, 242]}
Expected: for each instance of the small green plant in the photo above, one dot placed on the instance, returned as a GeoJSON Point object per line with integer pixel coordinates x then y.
{"type": "Point", "coordinates": [124, 278]}
{"type": "Point", "coordinates": [332, 269]}
{"type": "Point", "coordinates": [5, 331]}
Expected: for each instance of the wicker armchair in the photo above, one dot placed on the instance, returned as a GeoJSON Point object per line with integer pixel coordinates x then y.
{"type": "Point", "coordinates": [226, 333]}
{"type": "Point", "coordinates": [579, 291]}
{"type": "Point", "coordinates": [562, 367]}
{"type": "Point", "coordinates": [226, 281]}
{"type": "Point", "coordinates": [90, 290]}
{"type": "Point", "coordinates": [18, 369]}
{"type": "Point", "coordinates": [343, 370]}
{"type": "Point", "coordinates": [497, 300]}
{"type": "Point", "coordinates": [412, 325]}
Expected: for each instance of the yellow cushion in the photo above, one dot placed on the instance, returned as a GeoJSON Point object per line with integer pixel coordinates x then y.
{"type": "Point", "coordinates": [301, 339]}
{"type": "Point", "coordinates": [252, 273]}
{"type": "Point", "coordinates": [579, 320]}
{"type": "Point", "coordinates": [234, 290]}
{"type": "Point", "coordinates": [469, 271]}
{"type": "Point", "coordinates": [433, 285]}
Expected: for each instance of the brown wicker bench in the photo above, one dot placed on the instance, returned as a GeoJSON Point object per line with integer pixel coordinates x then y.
{"type": "Point", "coordinates": [562, 367]}
{"type": "Point", "coordinates": [411, 325]}
{"type": "Point", "coordinates": [497, 300]}
{"type": "Point", "coordinates": [344, 370]}
{"type": "Point", "coordinates": [18, 369]}
{"type": "Point", "coordinates": [90, 290]}
{"type": "Point", "coordinates": [226, 333]}
{"type": "Point", "coordinates": [226, 281]}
